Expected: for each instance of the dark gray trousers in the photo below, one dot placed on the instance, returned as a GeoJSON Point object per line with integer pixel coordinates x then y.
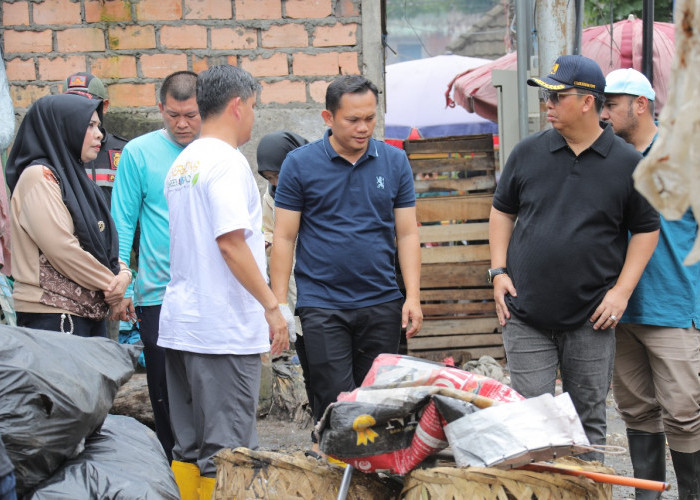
{"type": "Point", "coordinates": [213, 402]}
{"type": "Point", "coordinates": [584, 357]}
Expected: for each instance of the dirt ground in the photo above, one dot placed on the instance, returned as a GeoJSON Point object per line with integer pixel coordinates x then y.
{"type": "Point", "coordinates": [278, 435]}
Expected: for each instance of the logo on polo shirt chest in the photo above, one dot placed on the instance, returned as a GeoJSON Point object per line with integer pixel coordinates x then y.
{"type": "Point", "coordinates": [380, 182]}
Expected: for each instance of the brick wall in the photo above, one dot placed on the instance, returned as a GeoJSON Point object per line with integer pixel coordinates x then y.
{"type": "Point", "coordinates": [294, 47]}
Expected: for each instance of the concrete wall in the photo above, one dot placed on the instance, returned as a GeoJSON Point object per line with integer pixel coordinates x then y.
{"type": "Point", "coordinates": [294, 47]}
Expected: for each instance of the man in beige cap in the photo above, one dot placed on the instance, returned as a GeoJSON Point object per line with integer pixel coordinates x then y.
{"type": "Point", "coordinates": [104, 168]}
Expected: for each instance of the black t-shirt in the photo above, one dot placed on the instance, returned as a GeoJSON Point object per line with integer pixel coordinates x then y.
{"type": "Point", "coordinates": [574, 213]}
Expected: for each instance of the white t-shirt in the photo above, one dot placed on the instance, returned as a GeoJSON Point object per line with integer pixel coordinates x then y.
{"type": "Point", "coordinates": [211, 191]}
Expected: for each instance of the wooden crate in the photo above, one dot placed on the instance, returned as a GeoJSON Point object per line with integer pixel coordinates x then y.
{"type": "Point", "coordinates": [453, 165]}
{"type": "Point", "coordinates": [460, 314]}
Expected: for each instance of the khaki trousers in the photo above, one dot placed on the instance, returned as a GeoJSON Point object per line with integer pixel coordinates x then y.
{"type": "Point", "coordinates": [656, 383]}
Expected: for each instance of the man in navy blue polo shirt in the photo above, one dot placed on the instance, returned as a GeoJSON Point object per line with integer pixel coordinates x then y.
{"type": "Point", "coordinates": [563, 274]}
{"type": "Point", "coordinates": [350, 201]}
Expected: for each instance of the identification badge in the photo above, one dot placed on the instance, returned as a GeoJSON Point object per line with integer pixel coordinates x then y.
{"type": "Point", "coordinates": [114, 156]}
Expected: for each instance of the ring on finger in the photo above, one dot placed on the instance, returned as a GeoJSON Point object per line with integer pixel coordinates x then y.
{"type": "Point", "coordinates": [613, 318]}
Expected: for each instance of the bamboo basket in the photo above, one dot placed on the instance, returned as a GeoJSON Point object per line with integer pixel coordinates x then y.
{"type": "Point", "coordinates": [488, 483]}
{"type": "Point", "coordinates": [244, 474]}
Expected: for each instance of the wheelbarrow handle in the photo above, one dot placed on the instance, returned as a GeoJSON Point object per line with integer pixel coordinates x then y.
{"type": "Point", "coordinates": [645, 484]}
{"type": "Point", "coordinates": [345, 483]}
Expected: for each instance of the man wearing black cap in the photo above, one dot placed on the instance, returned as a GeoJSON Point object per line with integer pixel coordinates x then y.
{"type": "Point", "coordinates": [103, 169]}
{"type": "Point", "coordinates": [563, 274]}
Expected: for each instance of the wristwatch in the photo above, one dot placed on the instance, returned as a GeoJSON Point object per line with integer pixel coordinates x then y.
{"type": "Point", "coordinates": [495, 272]}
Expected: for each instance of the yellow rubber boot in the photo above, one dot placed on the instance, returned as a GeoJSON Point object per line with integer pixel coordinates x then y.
{"type": "Point", "coordinates": [206, 487]}
{"type": "Point", "coordinates": [187, 479]}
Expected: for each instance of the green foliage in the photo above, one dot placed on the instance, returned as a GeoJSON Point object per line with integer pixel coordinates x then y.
{"type": "Point", "coordinates": [398, 9]}
{"type": "Point", "coordinates": [598, 11]}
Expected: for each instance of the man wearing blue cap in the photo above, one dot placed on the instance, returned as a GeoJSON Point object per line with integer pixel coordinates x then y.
{"type": "Point", "coordinates": [563, 274]}
{"type": "Point", "coordinates": [657, 358]}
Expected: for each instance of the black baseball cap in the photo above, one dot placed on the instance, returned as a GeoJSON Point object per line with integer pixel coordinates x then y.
{"type": "Point", "coordinates": [85, 83]}
{"type": "Point", "coordinates": [572, 71]}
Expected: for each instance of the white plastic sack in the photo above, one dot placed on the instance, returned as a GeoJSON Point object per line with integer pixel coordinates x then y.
{"type": "Point", "coordinates": [518, 433]}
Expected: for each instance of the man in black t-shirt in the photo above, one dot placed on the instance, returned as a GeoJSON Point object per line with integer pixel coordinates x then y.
{"type": "Point", "coordinates": [103, 169]}
{"type": "Point", "coordinates": [563, 274]}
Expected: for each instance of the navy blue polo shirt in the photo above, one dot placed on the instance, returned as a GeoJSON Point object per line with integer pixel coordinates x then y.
{"type": "Point", "coordinates": [346, 244]}
{"type": "Point", "coordinates": [574, 213]}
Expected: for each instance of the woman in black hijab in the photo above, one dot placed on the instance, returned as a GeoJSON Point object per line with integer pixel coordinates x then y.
{"type": "Point", "coordinates": [64, 246]}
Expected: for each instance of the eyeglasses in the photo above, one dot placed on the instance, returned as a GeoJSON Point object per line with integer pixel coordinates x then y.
{"type": "Point", "coordinates": [550, 95]}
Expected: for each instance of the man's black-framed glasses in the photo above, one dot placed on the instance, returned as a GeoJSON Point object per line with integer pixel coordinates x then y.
{"type": "Point", "coordinates": [553, 95]}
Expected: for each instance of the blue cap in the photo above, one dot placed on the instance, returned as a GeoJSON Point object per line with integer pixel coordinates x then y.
{"type": "Point", "coordinates": [629, 81]}
{"type": "Point", "coordinates": [572, 71]}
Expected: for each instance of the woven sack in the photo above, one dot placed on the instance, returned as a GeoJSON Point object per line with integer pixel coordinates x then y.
{"type": "Point", "coordinates": [488, 483]}
{"type": "Point", "coordinates": [246, 474]}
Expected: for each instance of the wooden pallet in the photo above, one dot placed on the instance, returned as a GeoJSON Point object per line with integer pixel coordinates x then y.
{"type": "Point", "coordinates": [460, 315]}
{"type": "Point", "coordinates": [453, 165]}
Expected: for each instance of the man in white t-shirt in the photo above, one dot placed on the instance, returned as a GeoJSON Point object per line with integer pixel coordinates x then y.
{"type": "Point", "coordinates": [218, 312]}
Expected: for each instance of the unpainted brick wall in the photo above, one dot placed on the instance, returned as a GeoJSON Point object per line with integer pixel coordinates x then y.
{"type": "Point", "coordinates": [294, 47]}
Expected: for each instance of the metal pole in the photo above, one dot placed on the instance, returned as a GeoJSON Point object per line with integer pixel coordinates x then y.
{"type": "Point", "coordinates": [555, 21]}
{"type": "Point", "coordinates": [345, 483]}
{"type": "Point", "coordinates": [648, 40]}
{"type": "Point", "coordinates": [555, 31]}
{"type": "Point", "coordinates": [523, 55]}
{"type": "Point", "coordinates": [578, 34]}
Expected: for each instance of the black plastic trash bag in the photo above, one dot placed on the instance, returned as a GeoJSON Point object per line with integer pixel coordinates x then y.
{"type": "Point", "coordinates": [123, 460]}
{"type": "Point", "coordinates": [55, 390]}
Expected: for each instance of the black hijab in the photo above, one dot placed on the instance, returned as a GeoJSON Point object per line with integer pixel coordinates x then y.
{"type": "Point", "coordinates": [52, 134]}
{"type": "Point", "coordinates": [273, 149]}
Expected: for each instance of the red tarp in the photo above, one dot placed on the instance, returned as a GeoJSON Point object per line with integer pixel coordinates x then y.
{"type": "Point", "coordinates": [474, 91]}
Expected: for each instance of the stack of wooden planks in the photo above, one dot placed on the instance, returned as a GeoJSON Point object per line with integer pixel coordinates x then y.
{"type": "Point", "coordinates": [455, 180]}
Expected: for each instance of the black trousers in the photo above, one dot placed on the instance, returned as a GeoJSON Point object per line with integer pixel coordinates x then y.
{"type": "Point", "coordinates": [76, 325]}
{"type": "Point", "coordinates": [300, 348]}
{"type": "Point", "coordinates": [155, 375]}
{"type": "Point", "coordinates": [341, 344]}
